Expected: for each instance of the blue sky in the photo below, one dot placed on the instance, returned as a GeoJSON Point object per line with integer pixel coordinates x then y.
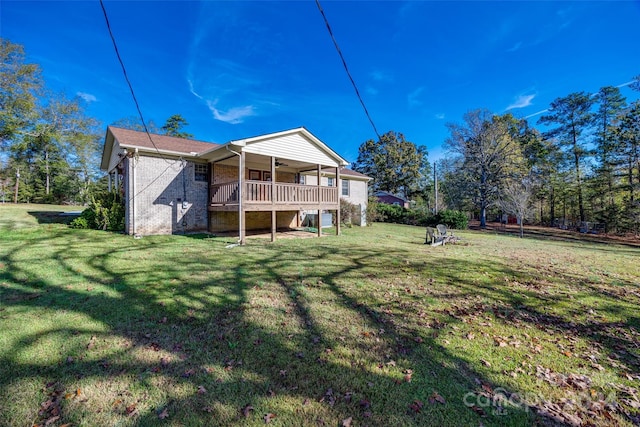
{"type": "Point", "coordinates": [239, 69]}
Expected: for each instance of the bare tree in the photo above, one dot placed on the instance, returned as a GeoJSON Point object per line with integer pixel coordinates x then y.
{"type": "Point", "coordinates": [489, 153]}
{"type": "Point", "coordinates": [516, 198]}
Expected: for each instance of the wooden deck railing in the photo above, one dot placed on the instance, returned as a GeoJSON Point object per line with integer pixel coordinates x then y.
{"type": "Point", "coordinates": [226, 193]}
{"type": "Point", "coordinates": [260, 192]}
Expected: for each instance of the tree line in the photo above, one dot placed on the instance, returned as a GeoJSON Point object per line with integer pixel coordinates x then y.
{"type": "Point", "coordinates": [583, 167]}
{"type": "Point", "coordinates": [49, 147]}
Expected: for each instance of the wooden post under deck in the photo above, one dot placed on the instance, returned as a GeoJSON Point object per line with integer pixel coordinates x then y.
{"type": "Point", "coordinates": [339, 191]}
{"type": "Point", "coordinates": [319, 202]}
{"type": "Point", "coordinates": [241, 214]}
{"type": "Point", "coordinates": [273, 199]}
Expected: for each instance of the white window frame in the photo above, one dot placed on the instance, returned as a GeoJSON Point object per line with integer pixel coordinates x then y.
{"type": "Point", "coordinates": [197, 173]}
{"type": "Point", "coordinates": [347, 187]}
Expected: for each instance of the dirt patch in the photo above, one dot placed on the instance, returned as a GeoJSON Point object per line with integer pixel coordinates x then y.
{"type": "Point", "coordinates": [288, 233]}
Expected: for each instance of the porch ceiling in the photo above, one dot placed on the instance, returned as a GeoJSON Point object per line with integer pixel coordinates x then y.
{"type": "Point", "coordinates": [264, 162]}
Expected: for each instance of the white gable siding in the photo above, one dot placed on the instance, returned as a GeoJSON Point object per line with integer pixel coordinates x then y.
{"type": "Point", "coordinates": [295, 147]}
{"type": "Point", "coordinates": [116, 155]}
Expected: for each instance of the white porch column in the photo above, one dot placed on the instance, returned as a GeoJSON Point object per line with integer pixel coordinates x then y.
{"type": "Point", "coordinates": [339, 193]}
{"type": "Point", "coordinates": [319, 201]}
{"type": "Point", "coordinates": [241, 214]}
{"type": "Point", "coordinates": [273, 199]}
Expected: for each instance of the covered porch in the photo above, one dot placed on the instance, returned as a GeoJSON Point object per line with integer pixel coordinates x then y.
{"type": "Point", "coordinates": [259, 183]}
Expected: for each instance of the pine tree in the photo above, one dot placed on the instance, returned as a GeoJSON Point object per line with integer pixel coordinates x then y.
{"type": "Point", "coordinates": [573, 118]}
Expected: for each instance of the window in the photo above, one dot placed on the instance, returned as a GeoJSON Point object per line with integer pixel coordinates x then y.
{"type": "Point", "coordinates": [331, 182]}
{"type": "Point", "coordinates": [301, 179]}
{"type": "Point", "coordinates": [200, 172]}
{"type": "Point", "coordinates": [254, 175]}
{"type": "Point", "coordinates": [345, 187]}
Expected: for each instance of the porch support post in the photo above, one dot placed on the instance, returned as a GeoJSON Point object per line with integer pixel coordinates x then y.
{"type": "Point", "coordinates": [273, 199]}
{"type": "Point", "coordinates": [241, 214]}
{"type": "Point", "coordinates": [319, 202]}
{"type": "Point", "coordinates": [338, 193]}
{"type": "Point", "coordinates": [109, 181]}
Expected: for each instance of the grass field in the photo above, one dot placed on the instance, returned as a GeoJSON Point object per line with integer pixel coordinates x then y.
{"type": "Point", "coordinates": [369, 328]}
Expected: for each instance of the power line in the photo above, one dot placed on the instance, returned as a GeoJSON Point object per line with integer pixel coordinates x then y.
{"type": "Point", "coordinates": [126, 77]}
{"type": "Point", "coordinates": [344, 64]}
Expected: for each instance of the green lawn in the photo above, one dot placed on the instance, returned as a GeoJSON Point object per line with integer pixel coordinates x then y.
{"type": "Point", "coordinates": [369, 328]}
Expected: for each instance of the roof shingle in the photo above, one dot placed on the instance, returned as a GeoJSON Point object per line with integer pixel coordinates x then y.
{"type": "Point", "coordinates": [141, 140]}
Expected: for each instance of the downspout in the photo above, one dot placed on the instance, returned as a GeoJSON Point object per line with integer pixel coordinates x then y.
{"type": "Point", "coordinates": [240, 171]}
{"type": "Point", "coordinates": [133, 192]}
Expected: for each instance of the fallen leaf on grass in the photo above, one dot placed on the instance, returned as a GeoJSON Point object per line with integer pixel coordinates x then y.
{"type": "Point", "coordinates": [269, 417]}
{"type": "Point", "coordinates": [416, 406]}
{"type": "Point", "coordinates": [51, 420]}
{"type": "Point", "coordinates": [408, 374]}
{"type": "Point", "coordinates": [485, 363]}
{"type": "Point", "coordinates": [164, 414]}
{"type": "Point", "coordinates": [435, 397]}
{"type": "Point", "coordinates": [131, 410]}
{"type": "Point", "coordinates": [347, 422]}
{"type": "Point", "coordinates": [478, 410]}
{"type": "Point", "coordinates": [246, 411]}
{"type": "Point", "coordinates": [201, 390]}
{"type": "Point", "coordinates": [188, 373]}
{"type": "Point", "coordinates": [92, 342]}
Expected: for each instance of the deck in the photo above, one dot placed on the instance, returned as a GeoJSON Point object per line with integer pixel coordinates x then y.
{"type": "Point", "coordinates": [267, 196]}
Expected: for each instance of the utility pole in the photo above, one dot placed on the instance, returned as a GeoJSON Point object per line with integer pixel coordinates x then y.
{"type": "Point", "coordinates": [435, 185]}
{"type": "Point", "coordinates": [15, 196]}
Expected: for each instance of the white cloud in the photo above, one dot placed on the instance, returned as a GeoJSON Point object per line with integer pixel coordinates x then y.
{"type": "Point", "coordinates": [87, 96]}
{"type": "Point", "coordinates": [515, 47]}
{"type": "Point", "coordinates": [372, 90]}
{"type": "Point", "coordinates": [412, 98]}
{"type": "Point", "coordinates": [234, 115]}
{"type": "Point", "coordinates": [537, 113]}
{"type": "Point", "coordinates": [625, 84]}
{"type": "Point", "coordinates": [380, 76]}
{"type": "Point", "coordinates": [439, 116]}
{"type": "Point", "coordinates": [192, 90]}
{"type": "Point", "coordinates": [521, 102]}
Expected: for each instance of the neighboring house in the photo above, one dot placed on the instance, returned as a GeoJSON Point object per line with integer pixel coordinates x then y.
{"type": "Point", "coordinates": [391, 199]}
{"type": "Point", "coordinates": [176, 185]}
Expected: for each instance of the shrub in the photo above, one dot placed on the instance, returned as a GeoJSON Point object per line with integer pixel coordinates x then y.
{"type": "Point", "coordinates": [452, 219]}
{"type": "Point", "coordinates": [421, 217]}
{"type": "Point", "coordinates": [348, 212]}
{"type": "Point", "coordinates": [105, 212]}
{"type": "Point", "coordinates": [391, 213]}
{"type": "Point", "coordinates": [79, 223]}
{"type": "Point", "coordinates": [372, 213]}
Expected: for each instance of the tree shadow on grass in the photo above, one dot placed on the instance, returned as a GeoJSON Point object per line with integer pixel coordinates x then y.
{"type": "Point", "coordinates": [55, 217]}
{"type": "Point", "coordinates": [271, 329]}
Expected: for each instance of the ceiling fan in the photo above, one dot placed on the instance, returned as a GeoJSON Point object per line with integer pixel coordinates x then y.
{"type": "Point", "coordinates": [279, 163]}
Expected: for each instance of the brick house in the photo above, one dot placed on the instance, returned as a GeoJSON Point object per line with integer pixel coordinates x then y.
{"type": "Point", "coordinates": [267, 182]}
